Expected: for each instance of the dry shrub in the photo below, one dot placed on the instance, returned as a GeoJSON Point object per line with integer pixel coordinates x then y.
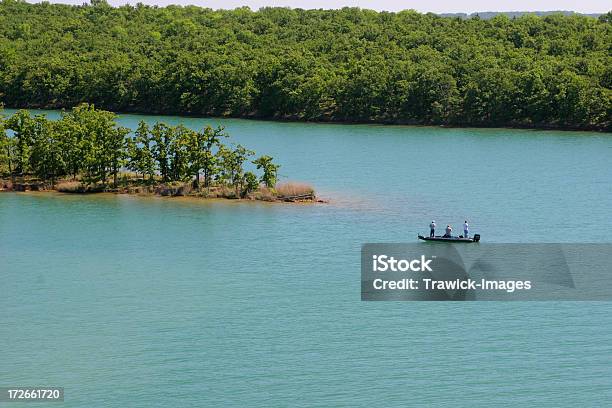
{"type": "Point", "coordinates": [7, 185]}
{"type": "Point", "coordinates": [291, 189]}
{"type": "Point", "coordinates": [174, 189]}
{"type": "Point", "coordinates": [264, 194]}
{"type": "Point", "coordinates": [70, 187]}
{"type": "Point", "coordinates": [184, 189]}
{"type": "Point", "coordinates": [78, 187]}
{"type": "Point", "coordinates": [227, 192]}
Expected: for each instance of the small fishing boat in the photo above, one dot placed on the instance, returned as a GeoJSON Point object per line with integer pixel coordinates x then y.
{"type": "Point", "coordinates": [440, 238]}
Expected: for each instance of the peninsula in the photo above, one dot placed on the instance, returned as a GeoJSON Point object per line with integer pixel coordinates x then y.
{"type": "Point", "coordinates": [85, 151]}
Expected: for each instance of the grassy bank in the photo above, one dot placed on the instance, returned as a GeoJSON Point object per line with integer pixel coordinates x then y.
{"type": "Point", "coordinates": [130, 184]}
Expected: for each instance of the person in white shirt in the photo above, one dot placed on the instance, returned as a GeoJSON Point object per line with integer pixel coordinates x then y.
{"type": "Point", "coordinates": [449, 230]}
{"type": "Point", "coordinates": [466, 229]}
{"type": "Point", "coordinates": [432, 229]}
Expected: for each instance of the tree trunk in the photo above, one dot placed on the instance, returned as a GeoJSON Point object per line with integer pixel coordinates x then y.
{"type": "Point", "coordinates": [10, 165]}
{"type": "Point", "coordinates": [115, 171]}
{"type": "Point", "coordinates": [196, 182]}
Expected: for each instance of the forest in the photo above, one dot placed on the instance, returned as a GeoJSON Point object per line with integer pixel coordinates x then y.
{"type": "Point", "coordinates": [88, 149]}
{"type": "Point", "coordinates": [347, 65]}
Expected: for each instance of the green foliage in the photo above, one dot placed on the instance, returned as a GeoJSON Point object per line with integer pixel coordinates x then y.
{"type": "Point", "coordinates": [162, 136]}
{"type": "Point", "coordinates": [87, 142]}
{"type": "Point", "coordinates": [225, 159]}
{"type": "Point", "coordinates": [115, 147]}
{"type": "Point", "coordinates": [6, 150]}
{"type": "Point", "coordinates": [179, 152]}
{"type": "Point", "coordinates": [250, 183]}
{"type": "Point", "coordinates": [231, 162]}
{"type": "Point", "coordinates": [46, 159]}
{"type": "Point", "coordinates": [24, 128]}
{"type": "Point", "coordinates": [140, 152]}
{"type": "Point", "coordinates": [344, 65]}
{"type": "Point", "coordinates": [99, 142]}
{"type": "Point", "coordinates": [270, 170]}
{"type": "Point", "coordinates": [203, 147]}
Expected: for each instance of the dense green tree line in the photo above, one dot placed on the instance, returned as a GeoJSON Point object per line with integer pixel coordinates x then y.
{"type": "Point", "coordinates": [87, 142]}
{"type": "Point", "coordinates": [346, 65]}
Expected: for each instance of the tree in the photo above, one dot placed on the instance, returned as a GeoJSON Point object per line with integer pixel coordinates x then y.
{"type": "Point", "coordinates": [100, 142]}
{"type": "Point", "coordinates": [22, 124]}
{"type": "Point", "coordinates": [179, 152]}
{"type": "Point", "coordinates": [7, 150]}
{"type": "Point", "coordinates": [116, 153]}
{"type": "Point", "coordinates": [211, 138]}
{"type": "Point", "coordinates": [162, 137]}
{"type": "Point", "coordinates": [72, 142]}
{"type": "Point", "coordinates": [330, 65]}
{"type": "Point", "coordinates": [270, 170]}
{"type": "Point", "coordinates": [232, 161]}
{"type": "Point", "coordinates": [140, 152]}
{"type": "Point", "coordinates": [87, 142]}
{"type": "Point", "coordinates": [225, 159]}
{"type": "Point", "coordinates": [250, 183]}
{"type": "Point", "coordinates": [240, 155]}
{"type": "Point", "coordinates": [46, 157]}
{"type": "Point", "coordinates": [195, 155]}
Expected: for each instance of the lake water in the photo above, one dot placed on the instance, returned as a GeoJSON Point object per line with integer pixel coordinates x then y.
{"type": "Point", "coordinates": [128, 301]}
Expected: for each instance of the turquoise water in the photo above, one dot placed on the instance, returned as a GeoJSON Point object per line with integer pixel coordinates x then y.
{"type": "Point", "coordinates": [128, 301]}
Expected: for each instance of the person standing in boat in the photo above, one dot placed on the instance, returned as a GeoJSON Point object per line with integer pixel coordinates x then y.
{"type": "Point", "coordinates": [432, 229]}
{"type": "Point", "coordinates": [448, 231]}
{"type": "Point", "coordinates": [466, 229]}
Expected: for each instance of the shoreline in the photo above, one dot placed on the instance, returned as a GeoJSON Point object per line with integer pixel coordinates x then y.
{"type": "Point", "coordinates": [86, 151]}
{"type": "Point", "coordinates": [161, 191]}
{"type": "Point", "coordinates": [331, 121]}
{"type": "Point", "coordinates": [53, 194]}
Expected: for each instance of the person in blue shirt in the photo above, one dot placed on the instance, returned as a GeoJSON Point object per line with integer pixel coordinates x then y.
{"type": "Point", "coordinates": [432, 229]}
